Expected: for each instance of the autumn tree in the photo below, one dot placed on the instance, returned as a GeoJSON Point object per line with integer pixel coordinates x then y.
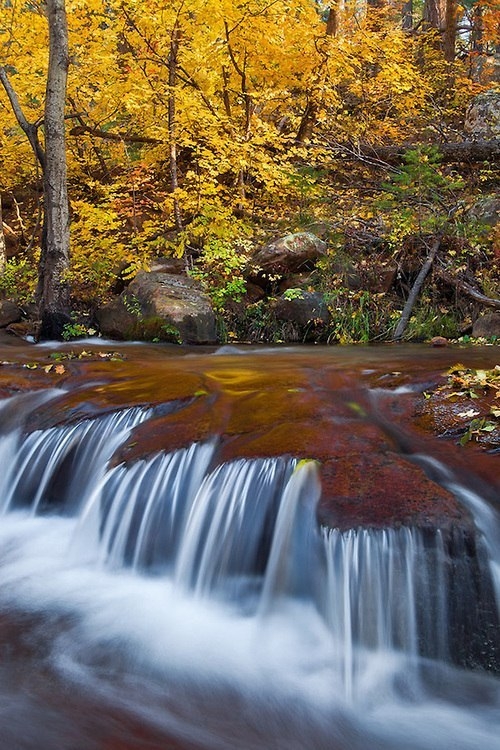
{"type": "Point", "coordinates": [194, 128]}
{"type": "Point", "coordinates": [52, 291]}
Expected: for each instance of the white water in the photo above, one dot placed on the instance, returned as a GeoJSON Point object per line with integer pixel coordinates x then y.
{"type": "Point", "coordinates": [486, 517]}
{"type": "Point", "coordinates": [202, 599]}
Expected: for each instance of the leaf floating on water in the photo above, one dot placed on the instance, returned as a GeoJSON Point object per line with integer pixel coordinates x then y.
{"type": "Point", "coordinates": [60, 369]}
{"type": "Point", "coordinates": [356, 408]}
{"type": "Point", "coordinates": [306, 462]}
{"type": "Point", "coordinates": [468, 414]}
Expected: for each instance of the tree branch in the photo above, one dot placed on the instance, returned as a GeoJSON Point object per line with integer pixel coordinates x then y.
{"type": "Point", "coordinates": [83, 129]}
{"type": "Point", "coordinates": [415, 290]}
{"type": "Point", "coordinates": [30, 129]}
{"type": "Point", "coordinates": [468, 289]}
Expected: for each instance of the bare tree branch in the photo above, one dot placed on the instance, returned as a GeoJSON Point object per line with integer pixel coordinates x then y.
{"type": "Point", "coordinates": [30, 129]}
{"type": "Point", "coordinates": [468, 289]}
{"type": "Point", "coordinates": [415, 290]}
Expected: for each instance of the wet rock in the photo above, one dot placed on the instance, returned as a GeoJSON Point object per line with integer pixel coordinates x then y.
{"type": "Point", "coordinates": [438, 341]}
{"type": "Point", "coordinates": [384, 490]}
{"type": "Point", "coordinates": [160, 306]}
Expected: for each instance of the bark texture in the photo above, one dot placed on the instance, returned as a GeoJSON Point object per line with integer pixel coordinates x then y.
{"type": "Point", "coordinates": [415, 291]}
{"type": "Point", "coordinates": [53, 287]}
{"type": "Point", "coordinates": [3, 257]}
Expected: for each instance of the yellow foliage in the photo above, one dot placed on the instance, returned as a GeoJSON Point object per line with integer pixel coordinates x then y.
{"type": "Point", "coordinates": [190, 112]}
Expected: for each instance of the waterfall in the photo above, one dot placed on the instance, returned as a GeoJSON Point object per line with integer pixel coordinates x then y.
{"type": "Point", "coordinates": [245, 531]}
{"type": "Point", "coordinates": [486, 517]}
{"type": "Point", "coordinates": [385, 591]}
{"type": "Point", "coordinates": [192, 565]}
{"type": "Point", "coordinates": [56, 468]}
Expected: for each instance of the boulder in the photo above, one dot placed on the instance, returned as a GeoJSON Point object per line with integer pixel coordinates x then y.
{"type": "Point", "coordinates": [295, 253]}
{"type": "Point", "coordinates": [482, 120]}
{"type": "Point", "coordinates": [487, 210]}
{"type": "Point", "coordinates": [177, 266]}
{"type": "Point", "coordinates": [115, 321]}
{"type": "Point", "coordinates": [9, 313]}
{"type": "Point", "coordinates": [487, 326]}
{"type": "Point", "coordinates": [297, 281]}
{"type": "Point", "coordinates": [303, 309]}
{"type": "Point", "coordinates": [162, 306]}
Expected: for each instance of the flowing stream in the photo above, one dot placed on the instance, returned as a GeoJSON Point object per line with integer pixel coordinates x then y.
{"type": "Point", "coordinates": [183, 599]}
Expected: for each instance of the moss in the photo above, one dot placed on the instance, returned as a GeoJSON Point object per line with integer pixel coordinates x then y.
{"type": "Point", "coordinates": [154, 329]}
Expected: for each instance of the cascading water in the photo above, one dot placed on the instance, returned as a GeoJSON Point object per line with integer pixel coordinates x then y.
{"type": "Point", "coordinates": [201, 601]}
{"type": "Point", "coordinates": [56, 467]}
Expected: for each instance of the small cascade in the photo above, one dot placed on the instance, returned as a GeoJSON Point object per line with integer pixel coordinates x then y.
{"type": "Point", "coordinates": [293, 565]}
{"type": "Point", "coordinates": [385, 592]}
{"type": "Point", "coordinates": [229, 525]}
{"type": "Point", "coordinates": [244, 532]}
{"type": "Point", "coordinates": [54, 469]}
{"type": "Point", "coordinates": [184, 576]}
{"type": "Point", "coordinates": [486, 517]}
{"type": "Point", "coordinates": [211, 529]}
{"type": "Point", "coordinates": [135, 515]}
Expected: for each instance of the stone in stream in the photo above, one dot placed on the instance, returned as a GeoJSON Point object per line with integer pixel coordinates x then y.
{"type": "Point", "coordinates": [160, 306]}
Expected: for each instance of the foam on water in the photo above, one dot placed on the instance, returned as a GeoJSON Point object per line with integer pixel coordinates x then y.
{"type": "Point", "coordinates": [203, 599]}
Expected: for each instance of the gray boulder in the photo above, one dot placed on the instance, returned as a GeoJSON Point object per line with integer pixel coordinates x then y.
{"type": "Point", "coordinates": [487, 326]}
{"type": "Point", "coordinates": [487, 210]}
{"type": "Point", "coordinates": [294, 253]}
{"type": "Point", "coordinates": [307, 311]}
{"type": "Point", "coordinates": [9, 313]}
{"type": "Point", "coordinates": [115, 321]}
{"type": "Point", "coordinates": [482, 120]}
{"type": "Point", "coordinates": [162, 306]}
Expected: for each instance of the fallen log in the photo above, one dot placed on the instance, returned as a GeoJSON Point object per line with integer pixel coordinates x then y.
{"type": "Point", "coordinates": [462, 151]}
{"type": "Point", "coordinates": [468, 289]}
{"type": "Point", "coordinates": [415, 291]}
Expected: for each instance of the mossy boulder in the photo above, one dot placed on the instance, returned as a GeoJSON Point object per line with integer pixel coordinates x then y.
{"type": "Point", "coordinates": [160, 306]}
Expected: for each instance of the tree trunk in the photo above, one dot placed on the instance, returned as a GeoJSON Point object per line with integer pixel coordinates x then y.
{"type": "Point", "coordinates": [53, 286]}
{"type": "Point", "coordinates": [450, 31]}
{"type": "Point", "coordinates": [334, 19]}
{"type": "Point", "coordinates": [477, 42]}
{"type": "Point", "coordinates": [469, 290]}
{"type": "Point", "coordinates": [3, 256]}
{"type": "Point", "coordinates": [415, 291]}
{"type": "Point", "coordinates": [407, 15]}
{"type": "Point", "coordinates": [434, 14]}
{"type": "Point", "coordinates": [465, 152]}
{"type": "Point", "coordinates": [172, 134]}
{"type": "Point", "coordinates": [315, 94]}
